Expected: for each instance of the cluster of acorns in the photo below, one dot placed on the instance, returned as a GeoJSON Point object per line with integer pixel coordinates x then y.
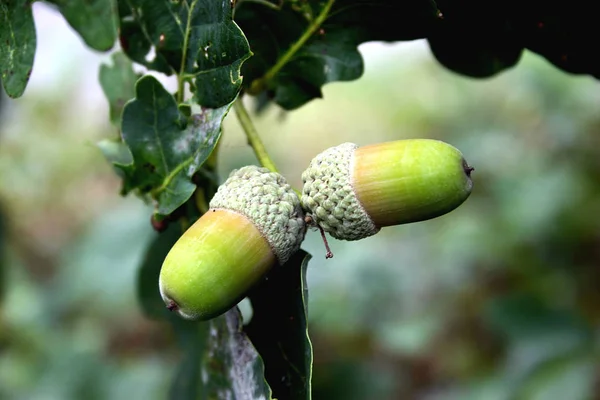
{"type": "Point", "coordinates": [256, 221]}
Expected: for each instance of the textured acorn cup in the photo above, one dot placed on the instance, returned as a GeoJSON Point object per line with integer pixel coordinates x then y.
{"type": "Point", "coordinates": [352, 192]}
{"type": "Point", "coordinates": [255, 222]}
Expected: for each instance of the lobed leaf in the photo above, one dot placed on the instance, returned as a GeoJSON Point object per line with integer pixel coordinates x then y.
{"type": "Point", "coordinates": [481, 39]}
{"type": "Point", "coordinates": [279, 329]}
{"type": "Point", "coordinates": [219, 362]}
{"type": "Point", "coordinates": [474, 38]}
{"type": "Point", "coordinates": [118, 84]}
{"type": "Point", "coordinates": [331, 53]}
{"type": "Point", "coordinates": [17, 45]}
{"type": "Point", "coordinates": [117, 153]}
{"type": "Point", "coordinates": [94, 20]}
{"type": "Point", "coordinates": [167, 146]}
{"type": "Point", "coordinates": [196, 39]}
{"type": "Point", "coordinates": [561, 32]}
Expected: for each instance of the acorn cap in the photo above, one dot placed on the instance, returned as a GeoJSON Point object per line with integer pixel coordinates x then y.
{"type": "Point", "coordinates": [269, 202]}
{"type": "Point", "coordinates": [255, 222]}
{"type": "Point", "coordinates": [328, 196]}
{"type": "Point", "coordinates": [352, 192]}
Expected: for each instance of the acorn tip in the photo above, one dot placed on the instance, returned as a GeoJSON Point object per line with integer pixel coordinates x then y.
{"type": "Point", "coordinates": [172, 306]}
{"type": "Point", "coordinates": [467, 168]}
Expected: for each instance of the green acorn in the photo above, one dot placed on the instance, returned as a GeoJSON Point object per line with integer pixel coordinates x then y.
{"type": "Point", "coordinates": [255, 222]}
{"type": "Point", "coordinates": [352, 192]}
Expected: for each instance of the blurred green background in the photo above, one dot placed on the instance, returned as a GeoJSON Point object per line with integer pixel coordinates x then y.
{"type": "Point", "coordinates": [499, 299]}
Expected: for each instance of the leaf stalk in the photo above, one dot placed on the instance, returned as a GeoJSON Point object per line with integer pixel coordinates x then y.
{"type": "Point", "coordinates": [261, 83]}
{"type": "Point", "coordinates": [252, 134]}
{"type": "Point", "coordinates": [181, 77]}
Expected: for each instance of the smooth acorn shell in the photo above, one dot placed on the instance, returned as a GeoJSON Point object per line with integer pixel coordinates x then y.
{"type": "Point", "coordinates": [410, 180]}
{"type": "Point", "coordinates": [213, 264]}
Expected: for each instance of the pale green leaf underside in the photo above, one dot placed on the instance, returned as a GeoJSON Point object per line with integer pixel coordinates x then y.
{"type": "Point", "coordinates": [167, 146]}
{"type": "Point", "coordinates": [118, 83]}
{"type": "Point", "coordinates": [219, 363]}
{"type": "Point", "coordinates": [94, 20]}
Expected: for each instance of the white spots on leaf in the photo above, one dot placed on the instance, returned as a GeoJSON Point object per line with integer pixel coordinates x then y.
{"type": "Point", "coordinates": [204, 376]}
{"type": "Point", "coordinates": [195, 137]}
{"type": "Point", "coordinates": [191, 170]}
{"type": "Point", "coordinates": [205, 49]}
{"type": "Point", "coordinates": [210, 141]}
{"type": "Point", "coordinates": [150, 147]}
{"type": "Point", "coordinates": [199, 119]}
{"type": "Point", "coordinates": [243, 359]}
{"type": "Point", "coordinates": [151, 55]}
{"type": "Point", "coordinates": [183, 144]}
{"type": "Point", "coordinates": [214, 333]}
{"type": "Point", "coordinates": [234, 79]}
{"type": "Point", "coordinates": [138, 13]}
{"type": "Point", "coordinates": [225, 394]}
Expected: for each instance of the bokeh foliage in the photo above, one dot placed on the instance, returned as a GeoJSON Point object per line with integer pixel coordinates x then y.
{"type": "Point", "coordinates": [496, 300]}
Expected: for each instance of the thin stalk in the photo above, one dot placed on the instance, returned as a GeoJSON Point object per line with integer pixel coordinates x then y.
{"type": "Point", "coordinates": [252, 134]}
{"type": "Point", "coordinates": [181, 78]}
{"type": "Point", "coordinates": [258, 85]}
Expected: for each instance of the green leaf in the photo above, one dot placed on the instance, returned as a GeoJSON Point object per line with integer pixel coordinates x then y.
{"type": "Point", "coordinates": [118, 84]}
{"type": "Point", "coordinates": [117, 153]}
{"type": "Point", "coordinates": [17, 45]}
{"type": "Point", "coordinates": [94, 20]}
{"type": "Point", "coordinates": [279, 330]}
{"type": "Point", "coordinates": [167, 147]}
{"type": "Point", "coordinates": [331, 53]}
{"type": "Point", "coordinates": [475, 39]}
{"type": "Point", "coordinates": [219, 362]}
{"type": "Point", "coordinates": [148, 292]}
{"type": "Point", "coordinates": [560, 32]}
{"type": "Point", "coordinates": [196, 39]}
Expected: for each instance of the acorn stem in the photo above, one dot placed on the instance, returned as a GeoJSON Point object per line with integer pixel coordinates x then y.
{"type": "Point", "coordinates": [467, 168]}
{"type": "Point", "coordinates": [309, 221]}
{"type": "Point", "coordinates": [252, 134]}
{"type": "Point", "coordinates": [329, 254]}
